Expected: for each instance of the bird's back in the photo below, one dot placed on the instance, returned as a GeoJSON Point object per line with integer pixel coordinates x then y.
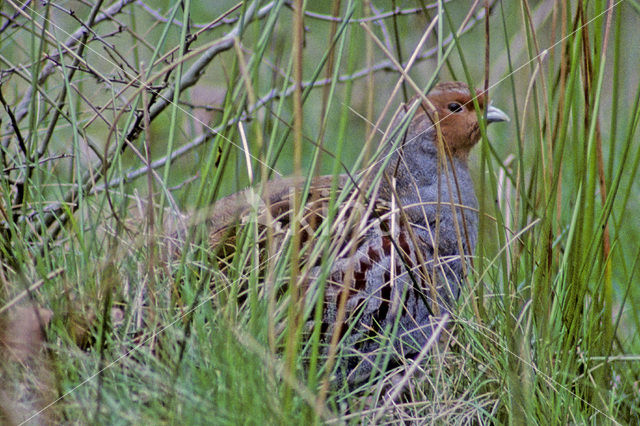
{"type": "Point", "coordinates": [382, 285]}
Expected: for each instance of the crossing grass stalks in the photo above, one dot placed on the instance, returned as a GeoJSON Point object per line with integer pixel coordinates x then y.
{"type": "Point", "coordinates": [121, 125]}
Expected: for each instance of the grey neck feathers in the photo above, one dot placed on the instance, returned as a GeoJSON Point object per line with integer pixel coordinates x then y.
{"type": "Point", "coordinates": [428, 188]}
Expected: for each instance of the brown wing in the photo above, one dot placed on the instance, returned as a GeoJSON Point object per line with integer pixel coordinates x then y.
{"type": "Point", "coordinates": [270, 210]}
{"type": "Point", "coordinates": [378, 275]}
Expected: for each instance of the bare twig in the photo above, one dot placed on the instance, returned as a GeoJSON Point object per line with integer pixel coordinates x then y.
{"type": "Point", "coordinates": [41, 161]}
{"type": "Point", "coordinates": [396, 12]}
{"type": "Point", "coordinates": [385, 65]}
{"type": "Point", "coordinates": [12, 19]}
{"type": "Point", "coordinates": [63, 93]}
{"type": "Point", "coordinates": [190, 77]}
{"type": "Point", "coordinates": [226, 21]}
{"type": "Point", "coordinates": [23, 107]}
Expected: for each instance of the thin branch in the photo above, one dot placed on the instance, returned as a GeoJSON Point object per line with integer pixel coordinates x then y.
{"type": "Point", "coordinates": [41, 161]}
{"type": "Point", "coordinates": [396, 12]}
{"type": "Point", "coordinates": [14, 124]}
{"type": "Point", "coordinates": [23, 107]}
{"type": "Point", "coordinates": [63, 91]}
{"type": "Point", "coordinates": [13, 18]}
{"type": "Point", "coordinates": [385, 65]}
{"type": "Point", "coordinates": [226, 21]}
{"type": "Point", "coordinates": [190, 77]}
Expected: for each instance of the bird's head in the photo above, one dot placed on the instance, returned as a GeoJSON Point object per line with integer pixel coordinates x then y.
{"type": "Point", "coordinates": [453, 107]}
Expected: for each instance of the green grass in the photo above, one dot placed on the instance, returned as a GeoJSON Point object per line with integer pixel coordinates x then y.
{"type": "Point", "coordinates": [547, 329]}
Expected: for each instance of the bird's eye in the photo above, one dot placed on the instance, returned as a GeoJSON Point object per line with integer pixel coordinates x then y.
{"type": "Point", "coordinates": [454, 107]}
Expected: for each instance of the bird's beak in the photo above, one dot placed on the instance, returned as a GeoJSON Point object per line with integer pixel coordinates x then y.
{"type": "Point", "coordinates": [495, 115]}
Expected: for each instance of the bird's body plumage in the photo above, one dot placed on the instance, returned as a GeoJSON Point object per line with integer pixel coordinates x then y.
{"type": "Point", "coordinates": [396, 246]}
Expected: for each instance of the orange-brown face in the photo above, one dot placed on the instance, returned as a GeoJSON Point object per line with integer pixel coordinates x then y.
{"type": "Point", "coordinates": [457, 117]}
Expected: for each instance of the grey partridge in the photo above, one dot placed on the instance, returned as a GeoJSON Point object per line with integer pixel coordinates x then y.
{"type": "Point", "coordinates": [396, 237]}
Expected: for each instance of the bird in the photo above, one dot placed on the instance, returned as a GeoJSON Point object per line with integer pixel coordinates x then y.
{"type": "Point", "coordinates": [398, 235]}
